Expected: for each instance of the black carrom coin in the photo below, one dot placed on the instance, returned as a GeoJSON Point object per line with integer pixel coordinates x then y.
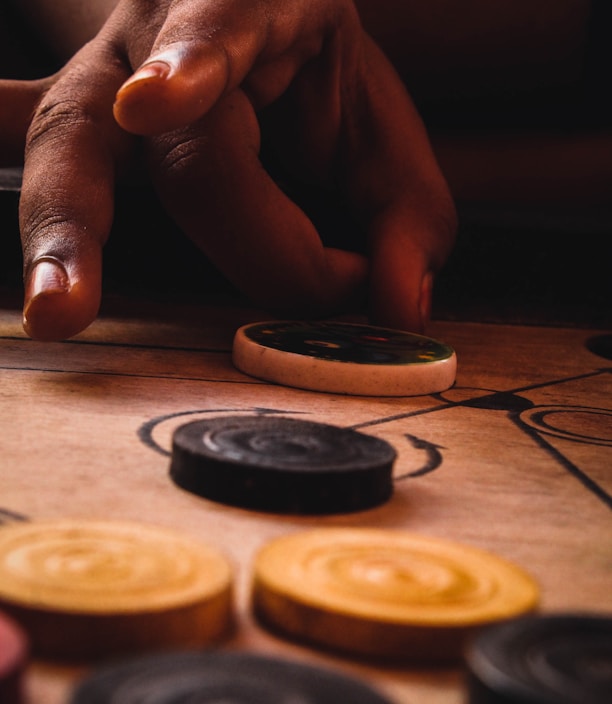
{"type": "Point", "coordinates": [220, 678]}
{"type": "Point", "coordinates": [558, 659]}
{"type": "Point", "coordinates": [283, 465]}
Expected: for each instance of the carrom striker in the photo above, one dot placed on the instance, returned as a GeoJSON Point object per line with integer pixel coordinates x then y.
{"type": "Point", "coordinates": [344, 358]}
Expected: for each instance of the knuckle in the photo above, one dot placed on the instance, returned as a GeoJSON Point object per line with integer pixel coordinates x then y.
{"type": "Point", "coordinates": [176, 159]}
{"type": "Point", "coordinates": [53, 118]}
{"type": "Point", "coordinates": [41, 223]}
{"type": "Point", "coordinates": [180, 157]}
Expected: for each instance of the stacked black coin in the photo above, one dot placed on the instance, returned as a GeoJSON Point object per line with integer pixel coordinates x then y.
{"type": "Point", "coordinates": [558, 659]}
{"type": "Point", "coordinates": [282, 465]}
{"type": "Point", "coordinates": [214, 677]}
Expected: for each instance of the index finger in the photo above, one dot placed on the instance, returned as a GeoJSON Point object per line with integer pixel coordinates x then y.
{"type": "Point", "coordinates": [66, 208]}
{"type": "Point", "coordinates": [211, 180]}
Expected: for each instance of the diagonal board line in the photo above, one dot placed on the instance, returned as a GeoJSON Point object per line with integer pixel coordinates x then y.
{"type": "Point", "coordinates": [575, 471]}
{"type": "Point", "coordinates": [590, 484]}
{"type": "Point", "coordinates": [455, 404]}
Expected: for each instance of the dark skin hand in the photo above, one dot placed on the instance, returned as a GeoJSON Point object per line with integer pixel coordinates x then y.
{"type": "Point", "coordinates": [201, 81]}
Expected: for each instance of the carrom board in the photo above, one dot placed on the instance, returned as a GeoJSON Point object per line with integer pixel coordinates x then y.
{"type": "Point", "coordinates": [516, 458]}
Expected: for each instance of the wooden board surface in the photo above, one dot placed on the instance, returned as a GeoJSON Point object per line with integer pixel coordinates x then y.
{"type": "Point", "coordinates": [516, 458]}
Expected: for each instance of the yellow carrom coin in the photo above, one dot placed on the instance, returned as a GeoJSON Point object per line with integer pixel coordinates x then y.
{"type": "Point", "coordinates": [85, 589]}
{"type": "Point", "coordinates": [384, 593]}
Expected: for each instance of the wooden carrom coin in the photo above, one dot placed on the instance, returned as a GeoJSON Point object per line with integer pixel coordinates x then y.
{"type": "Point", "coordinates": [220, 677]}
{"type": "Point", "coordinates": [284, 465]}
{"type": "Point", "coordinates": [565, 658]}
{"type": "Point", "coordinates": [89, 588]}
{"type": "Point", "coordinates": [383, 593]}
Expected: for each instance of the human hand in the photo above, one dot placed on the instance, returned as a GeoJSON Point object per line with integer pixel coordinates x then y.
{"type": "Point", "coordinates": [213, 77]}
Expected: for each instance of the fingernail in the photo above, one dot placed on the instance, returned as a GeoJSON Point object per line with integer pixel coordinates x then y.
{"type": "Point", "coordinates": [425, 301]}
{"type": "Point", "coordinates": [153, 69]}
{"type": "Point", "coordinates": [47, 276]}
